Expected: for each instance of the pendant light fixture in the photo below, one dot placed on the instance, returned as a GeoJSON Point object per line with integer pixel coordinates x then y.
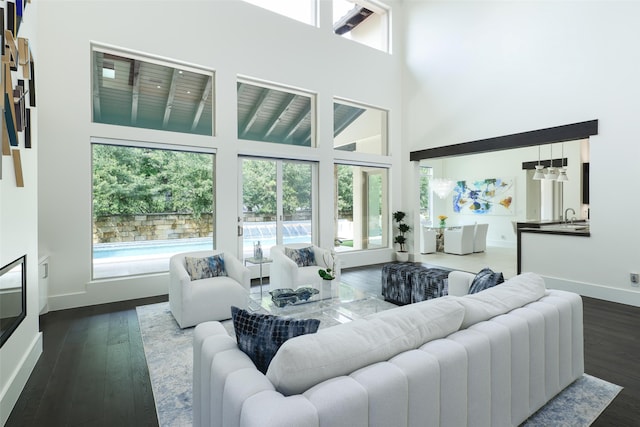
{"type": "Point", "coordinates": [562, 177]}
{"type": "Point", "coordinates": [551, 173]}
{"type": "Point", "coordinates": [442, 186]}
{"type": "Point", "coordinates": [539, 168]}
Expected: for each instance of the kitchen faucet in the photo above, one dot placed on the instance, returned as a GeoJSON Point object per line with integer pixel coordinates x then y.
{"type": "Point", "coordinates": [566, 218]}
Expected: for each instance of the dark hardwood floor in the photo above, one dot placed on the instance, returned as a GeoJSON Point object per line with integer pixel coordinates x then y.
{"type": "Point", "coordinates": [93, 370]}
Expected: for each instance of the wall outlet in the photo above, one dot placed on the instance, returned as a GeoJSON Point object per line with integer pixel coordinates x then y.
{"type": "Point", "coordinates": [635, 279]}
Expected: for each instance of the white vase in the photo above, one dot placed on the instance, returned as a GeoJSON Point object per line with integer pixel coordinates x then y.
{"type": "Point", "coordinates": [326, 289]}
{"type": "Point", "coordinates": [402, 256]}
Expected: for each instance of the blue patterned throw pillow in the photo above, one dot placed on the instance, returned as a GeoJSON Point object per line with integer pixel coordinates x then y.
{"type": "Point", "coordinates": [261, 335]}
{"type": "Point", "coordinates": [203, 268]}
{"type": "Point", "coordinates": [304, 257]}
{"type": "Point", "coordinates": [485, 279]}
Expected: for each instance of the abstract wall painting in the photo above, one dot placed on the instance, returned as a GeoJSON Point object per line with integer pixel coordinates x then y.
{"type": "Point", "coordinates": [490, 196]}
{"type": "Point", "coordinates": [16, 54]}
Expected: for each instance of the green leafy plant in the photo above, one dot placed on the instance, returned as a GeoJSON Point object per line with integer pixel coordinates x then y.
{"type": "Point", "coordinates": [330, 260]}
{"type": "Point", "coordinates": [403, 228]}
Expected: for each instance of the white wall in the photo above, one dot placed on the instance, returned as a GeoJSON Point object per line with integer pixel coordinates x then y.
{"type": "Point", "coordinates": [482, 69]}
{"type": "Point", "coordinates": [231, 37]}
{"type": "Point", "coordinates": [19, 236]}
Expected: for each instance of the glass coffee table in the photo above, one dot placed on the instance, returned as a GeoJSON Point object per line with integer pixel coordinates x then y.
{"type": "Point", "coordinates": [345, 304]}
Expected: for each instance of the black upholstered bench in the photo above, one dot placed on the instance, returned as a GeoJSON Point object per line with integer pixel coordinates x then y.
{"type": "Point", "coordinates": [406, 283]}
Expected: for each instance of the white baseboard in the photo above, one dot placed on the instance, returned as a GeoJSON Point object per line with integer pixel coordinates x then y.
{"type": "Point", "coordinates": [112, 290]}
{"type": "Point", "coordinates": [16, 384]}
{"type": "Point", "coordinates": [622, 296]}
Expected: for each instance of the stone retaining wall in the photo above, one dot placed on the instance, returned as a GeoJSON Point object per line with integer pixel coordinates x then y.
{"type": "Point", "coordinates": [132, 228]}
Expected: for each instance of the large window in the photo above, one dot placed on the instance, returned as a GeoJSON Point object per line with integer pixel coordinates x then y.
{"type": "Point", "coordinates": [363, 21]}
{"type": "Point", "coordinates": [278, 115]}
{"type": "Point", "coordinates": [142, 92]}
{"type": "Point", "coordinates": [148, 204]}
{"type": "Point", "coordinates": [359, 128]}
{"type": "Point", "coordinates": [361, 207]}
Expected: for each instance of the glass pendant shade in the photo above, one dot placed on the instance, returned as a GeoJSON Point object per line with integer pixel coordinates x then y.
{"type": "Point", "coordinates": [551, 174]}
{"type": "Point", "coordinates": [539, 173]}
{"type": "Point", "coordinates": [442, 186]}
{"type": "Point", "coordinates": [562, 177]}
{"type": "Point", "coordinates": [539, 169]}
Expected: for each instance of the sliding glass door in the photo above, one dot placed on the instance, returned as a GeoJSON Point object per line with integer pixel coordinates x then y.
{"type": "Point", "coordinates": [277, 203]}
{"type": "Point", "coordinates": [361, 207]}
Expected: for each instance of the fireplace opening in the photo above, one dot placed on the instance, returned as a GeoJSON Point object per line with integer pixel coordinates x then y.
{"type": "Point", "coordinates": [13, 297]}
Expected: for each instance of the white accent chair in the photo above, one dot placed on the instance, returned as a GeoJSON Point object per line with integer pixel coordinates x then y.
{"type": "Point", "coordinates": [460, 282]}
{"type": "Point", "coordinates": [459, 240]}
{"type": "Point", "coordinates": [285, 273]}
{"type": "Point", "coordinates": [480, 238]}
{"type": "Point", "coordinates": [429, 236]}
{"type": "Point", "coordinates": [197, 301]}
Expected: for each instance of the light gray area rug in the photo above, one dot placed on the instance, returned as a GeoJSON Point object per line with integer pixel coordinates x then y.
{"type": "Point", "coordinates": [168, 350]}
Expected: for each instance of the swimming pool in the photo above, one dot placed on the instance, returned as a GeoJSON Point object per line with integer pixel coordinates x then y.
{"type": "Point", "coordinates": [155, 247]}
{"type": "Point", "coordinates": [169, 247]}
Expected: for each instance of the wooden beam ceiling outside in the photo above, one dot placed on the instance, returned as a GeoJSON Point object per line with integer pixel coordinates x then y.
{"type": "Point", "coordinates": [284, 106]}
{"type": "Point", "coordinates": [202, 103]}
{"type": "Point", "coordinates": [256, 109]}
{"type": "Point", "coordinates": [170, 98]}
{"type": "Point", "coordinates": [135, 94]}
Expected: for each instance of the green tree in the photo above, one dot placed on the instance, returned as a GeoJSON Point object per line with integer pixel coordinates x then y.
{"type": "Point", "coordinates": [129, 181]}
{"type": "Point", "coordinates": [424, 192]}
{"type": "Point", "coordinates": [345, 189]}
{"type": "Point", "coordinates": [259, 186]}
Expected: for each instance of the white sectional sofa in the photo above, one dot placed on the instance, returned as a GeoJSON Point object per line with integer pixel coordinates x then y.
{"type": "Point", "coordinates": [488, 359]}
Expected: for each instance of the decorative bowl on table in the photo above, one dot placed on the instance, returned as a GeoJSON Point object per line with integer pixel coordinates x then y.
{"type": "Point", "coordinates": [287, 296]}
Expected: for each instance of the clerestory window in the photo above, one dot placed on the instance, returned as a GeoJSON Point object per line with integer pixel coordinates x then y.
{"type": "Point", "coordinates": [363, 21]}
{"type": "Point", "coordinates": [129, 90]}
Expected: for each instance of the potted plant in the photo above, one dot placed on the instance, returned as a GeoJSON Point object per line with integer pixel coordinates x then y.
{"type": "Point", "coordinates": [402, 254]}
{"type": "Point", "coordinates": [330, 260]}
{"type": "Point", "coordinates": [328, 274]}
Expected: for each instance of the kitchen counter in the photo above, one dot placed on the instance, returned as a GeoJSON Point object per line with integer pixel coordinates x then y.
{"type": "Point", "coordinates": [575, 228]}
{"type": "Point", "coordinates": [558, 228]}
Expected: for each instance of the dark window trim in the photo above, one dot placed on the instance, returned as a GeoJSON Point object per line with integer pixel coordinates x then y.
{"type": "Point", "coordinates": [562, 133]}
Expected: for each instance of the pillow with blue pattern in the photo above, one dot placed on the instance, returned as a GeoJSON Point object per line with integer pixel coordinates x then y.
{"type": "Point", "coordinates": [260, 336]}
{"type": "Point", "coordinates": [304, 257]}
{"type": "Point", "coordinates": [203, 268]}
{"type": "Point", "coordinates": [485, 279]}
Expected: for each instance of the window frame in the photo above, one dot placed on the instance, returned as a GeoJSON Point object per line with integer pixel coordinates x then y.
{"type": "Point", "coordinates": [385, 215]}
{"type": "Point", "coordinates": [271, 86]}
{"type": "Point", "coordinates": [154, 146]}
{"type": "Point", "coordinates": [384, 125]}
{"type": "Point", "coordinates": [156, 60]}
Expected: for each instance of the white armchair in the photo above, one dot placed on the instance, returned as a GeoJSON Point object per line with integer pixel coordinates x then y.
{"type": "Point", "coordinates": [285, 273]}
{"type": "Point", "coordinates": [480, 238]}
{"type": "Point", "coordinates": [459, 282]}
{"type": "Point", "coordinates": [459, 240]}
{"type": "Point", "coordinates": [429, 236]}
{"type": "Point", "coordinates": [197, 301]}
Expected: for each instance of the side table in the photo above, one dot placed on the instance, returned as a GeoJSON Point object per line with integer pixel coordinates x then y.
{"type": "Point", "coordinates": [260, 262]}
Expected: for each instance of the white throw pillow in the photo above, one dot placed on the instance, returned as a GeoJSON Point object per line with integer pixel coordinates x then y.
{"type": "Point", "coordinates": [305, 361]}
{"type": "Point", "coordinates": [501, 299]}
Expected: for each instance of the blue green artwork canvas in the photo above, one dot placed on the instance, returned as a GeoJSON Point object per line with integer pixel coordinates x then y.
{"type": "Point", "coordinates": [490, 196]}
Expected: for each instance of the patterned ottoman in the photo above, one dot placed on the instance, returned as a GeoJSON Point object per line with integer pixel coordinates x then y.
{"type": "Point", "coordinates": [406, 282]}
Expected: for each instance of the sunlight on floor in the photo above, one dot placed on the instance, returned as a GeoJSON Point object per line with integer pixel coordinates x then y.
{"type": "Point", "coordinates": [496, 258]}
